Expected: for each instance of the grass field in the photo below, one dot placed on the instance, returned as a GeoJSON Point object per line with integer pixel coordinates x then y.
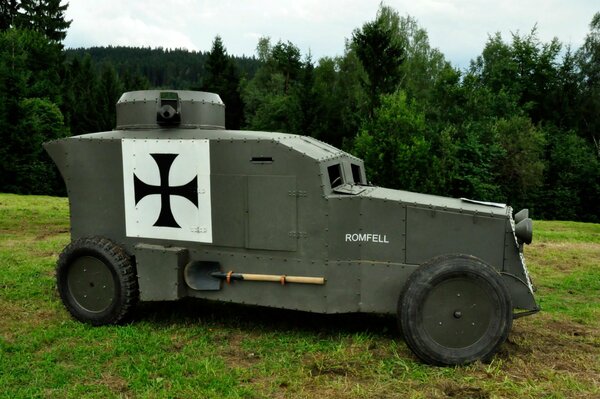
{"type": "Point", "coordinates": [197, 349]}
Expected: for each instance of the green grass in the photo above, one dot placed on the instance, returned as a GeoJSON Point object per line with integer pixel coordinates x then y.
{"type": "Point", "coordinates": [198, 349]}
{"type": "Point", "coordinates": [566, 232]}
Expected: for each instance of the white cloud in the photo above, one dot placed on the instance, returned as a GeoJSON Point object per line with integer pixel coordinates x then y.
{"type": "Point", "coordinates": [459, 28]}
{"type": "Point", "coordinates": [132, 23]}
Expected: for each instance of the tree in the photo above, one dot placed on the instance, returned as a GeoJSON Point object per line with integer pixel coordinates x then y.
{"type": "Point", "coordinates": [422, 66]}
{"type": "Point", "coordinates": [272, 98]}
{"type": "Point", "coordinates": [223, 78]}
{"type": "Point", "coordinates": [36, 60]}
{"type": "Point", "coordinates": [80, 93]}
{"type": "Point", "coordinates": [396, 147]}
{"type": "Point", "coordinates": [45, 16]}
{"type": "Point", "coordinates": [8, 11]}
{"type": "Point", "coordinates": [326, 123]}
{"type": "Point", "coordinates": [29, 115]}
{"type": "Point", "coordinates": [380, 53]}
{"type": "Point", "coordinates": [216, 62]}
{"type": "Point", "coordinates": [285, 58]}
{"type": "Point", "coordinates": [107, 94]}
{"type": "Point", "coordinates": [338, 103]}
{"type": "Point", "coordinates": [572, 181]}
{"type": "Point", "coordinates": [561, 105]}
{"type": "Point", "coordinates": [526, 69]}
{"type": "Point", "coordinates": [588, 59]}
{"type": "Point", "coordinates": [478, 152]}
{"type": "Point", "coordinates": [522, 164]}
{"type": "Point", "coordinates": [306, 95]}
{"type": "Point", "coordinates": [31, 170]}
{"type": "Point", "coordinates": [13, 84]}
{"type": "Point", "coordinates": [132, 81]}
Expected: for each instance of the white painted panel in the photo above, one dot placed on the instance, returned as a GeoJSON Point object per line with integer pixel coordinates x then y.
{"type": "Point", "coordinates": [176, 207]}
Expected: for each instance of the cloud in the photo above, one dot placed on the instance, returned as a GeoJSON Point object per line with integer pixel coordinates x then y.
{"type": "Point", "coordinates": [109, 23]}
{"type": "Point", "coordinates": [459, 28]}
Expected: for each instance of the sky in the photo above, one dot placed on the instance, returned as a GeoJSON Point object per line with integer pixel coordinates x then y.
{"type": "Point", "coordinates": [458, 28]}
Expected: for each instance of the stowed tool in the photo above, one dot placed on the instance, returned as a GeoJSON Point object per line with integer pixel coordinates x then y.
{"type": "Point", "coordinates": [282, 279]}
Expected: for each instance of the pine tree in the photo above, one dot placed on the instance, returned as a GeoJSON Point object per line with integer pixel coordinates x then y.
{"type": "Point", "coordinates": [80, 94]}
{"type": "Point", "coordinates": [222, 78]}
{"type": "Point", "coordinates": [381, 54]}
{"type": "Point", "coordinates": [109, 90]}
{"type": "Point", "coordinates": [45, 16]}
{"type": "Point", "coordinates": [29, 115]}
{"type": "Point", "coordinates": [8, 11]}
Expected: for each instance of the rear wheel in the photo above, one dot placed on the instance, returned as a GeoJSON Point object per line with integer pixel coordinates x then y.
{"type": "Point", "coordinates": [96, 280]}
{"type": "Point", "coordinates": [455, 309]}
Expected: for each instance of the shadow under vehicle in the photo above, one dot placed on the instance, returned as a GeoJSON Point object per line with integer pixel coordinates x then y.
{"type": "Point", "coordinates": [171, 205]}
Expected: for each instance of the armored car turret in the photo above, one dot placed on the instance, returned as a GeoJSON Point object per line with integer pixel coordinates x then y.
{"type": "Point", "coordinates": [170, 204]}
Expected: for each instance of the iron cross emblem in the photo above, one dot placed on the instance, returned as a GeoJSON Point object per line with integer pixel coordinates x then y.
{"type": "Point", "coordinates": [188, 191]}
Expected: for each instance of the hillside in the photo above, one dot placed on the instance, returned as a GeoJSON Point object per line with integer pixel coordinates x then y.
{"type": "Point", "coordinates": [201, 349]}
{"type": "Point", "coordinates": [168, 68]}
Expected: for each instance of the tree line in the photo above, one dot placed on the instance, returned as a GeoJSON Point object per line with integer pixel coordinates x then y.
{"type": "Point", "coordinates": [520, 125]}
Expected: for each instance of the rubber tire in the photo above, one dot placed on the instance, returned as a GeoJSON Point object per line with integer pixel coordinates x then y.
{"type": "Point", "coordinates": [122, 271]}
{"type": "Point", "coordinates": [416, 290]}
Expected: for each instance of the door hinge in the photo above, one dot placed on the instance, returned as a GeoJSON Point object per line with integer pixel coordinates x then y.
{"type": "Point", "coordinates": [298, 193]}
{"type": "Point", "coordinates": [298, 234]}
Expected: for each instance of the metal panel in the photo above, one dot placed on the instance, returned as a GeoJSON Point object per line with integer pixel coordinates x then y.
{"type": "Point", "coordinates": [343, 219]}
{"type": "Point", "coordinates": [381, 285]}
{"type": "Point", "coordinates": [167, 189]}
{"type": "Point", "coordinates": [521, 296]}
{"type": "Point", "coordinates": [385, 221]}
{"type": "Point", "coordinates": [365, 228]}
{"type": "Point", "coordinates": [229, 210]}
{"type": "Point", "coordinates": [431, 232]}
{"type": "Point", "coordinates": [160, 272]}
{"type": "Point", "coordinates": [343, 287]}
{"type": "Point", "coordinates": [95, 190]}
{"type": "Point", "coordinates": [272, 214]}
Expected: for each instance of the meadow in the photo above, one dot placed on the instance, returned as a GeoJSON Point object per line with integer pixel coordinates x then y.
{"type": "Point", "coordinates": [199, 349]}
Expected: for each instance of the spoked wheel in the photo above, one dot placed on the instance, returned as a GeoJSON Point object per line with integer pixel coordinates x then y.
{"type": "Point", "coordinates": [97, 281]}
{"type": "Point", "coordinates": [455, 309]}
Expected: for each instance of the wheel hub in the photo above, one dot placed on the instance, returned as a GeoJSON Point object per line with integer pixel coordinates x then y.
{"type": "Point", "coordinates": [458, 312]}
{"type": "Point", "coordinates": [91, 284]}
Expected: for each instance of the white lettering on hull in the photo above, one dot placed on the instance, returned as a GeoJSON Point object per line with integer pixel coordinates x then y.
{"type": "Point", "coordinates": [367, 237]}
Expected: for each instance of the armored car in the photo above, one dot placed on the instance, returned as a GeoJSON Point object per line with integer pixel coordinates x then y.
{"type": "Point", "coordinates": [170, 204]}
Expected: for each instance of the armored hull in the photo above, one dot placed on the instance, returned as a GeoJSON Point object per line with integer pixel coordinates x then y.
{"type": "Point", "coordinates": [276, 220]}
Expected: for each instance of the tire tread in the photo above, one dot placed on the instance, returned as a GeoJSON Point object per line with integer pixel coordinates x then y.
{"type": "Point", "coordinates": [123, 266]}
{"type": "Point", "coordinates": [414, 288]}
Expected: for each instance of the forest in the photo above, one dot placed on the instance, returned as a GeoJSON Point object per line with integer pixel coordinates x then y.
{"type": "Point", "coordinates": [520, 125]}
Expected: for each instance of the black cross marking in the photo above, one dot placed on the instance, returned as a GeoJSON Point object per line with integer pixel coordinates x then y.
{"type": "Point", "coordinates": [188, 191]}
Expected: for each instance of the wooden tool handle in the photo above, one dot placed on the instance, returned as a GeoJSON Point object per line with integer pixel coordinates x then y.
{"type": "Point", "coordinates": [286, 279]}
{"type": "Point", "coordinates": [305, 280]}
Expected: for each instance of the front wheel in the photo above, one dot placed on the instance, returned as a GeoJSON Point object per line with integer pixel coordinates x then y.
{"type": "Point", "coordinates": [96, 281]}
{"type": "Point", "coordinates": [455, 309]}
